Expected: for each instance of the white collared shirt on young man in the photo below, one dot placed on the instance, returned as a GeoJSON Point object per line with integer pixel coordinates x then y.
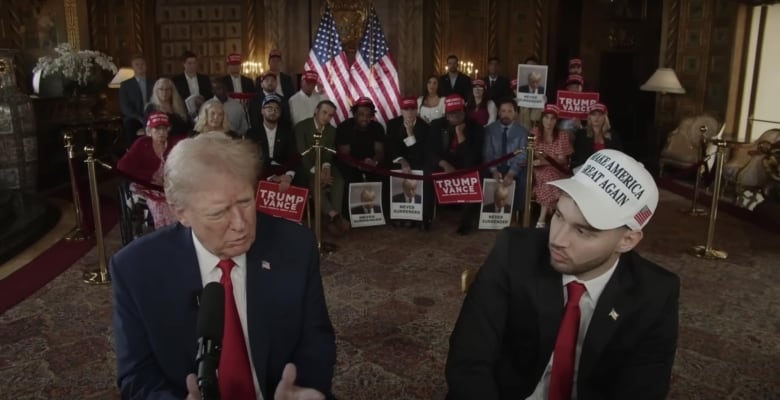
{"type": "Point", "coordinates": [236, 84]}
{"type": "Point", "coordinates": [588, 301]}
{"type": "Point", "coordinates": [303, 106]}
{"type": "Point", "coordinates": [192, 84]}
{"type": "Point", "coordinates": [209, 272]}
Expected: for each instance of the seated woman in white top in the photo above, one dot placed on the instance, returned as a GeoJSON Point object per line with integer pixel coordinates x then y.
{"type": "Point", "coordinates": [431, 104]}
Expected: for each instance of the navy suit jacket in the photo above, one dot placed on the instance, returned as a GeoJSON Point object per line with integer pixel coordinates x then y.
{"type": "Point", "coordinates": [131, 100]}
{"type": "Point", "coordinates": [247, 86]}
{"type": "Point", "coordinates": [156, 280]}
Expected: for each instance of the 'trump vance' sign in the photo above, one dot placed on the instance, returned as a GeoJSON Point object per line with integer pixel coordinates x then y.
{"type": "Point", "coordinates": [576, 104]}
{"type": "Point", "coordinates": [460, 189]}
{"type": "Point", "coordinates": [288, 205]}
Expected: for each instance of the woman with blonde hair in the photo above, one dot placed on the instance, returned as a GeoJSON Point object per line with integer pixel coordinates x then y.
{"type": "Point", "coordinates": [211, 118]}
{"type": "Point", "coordinates": [597, 135]}
{"type": "Point", "coordinates": [166, 99]}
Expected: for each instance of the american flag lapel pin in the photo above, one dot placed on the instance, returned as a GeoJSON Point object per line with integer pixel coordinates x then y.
{"type": "Point", "coordinates": [266, 265]}
{"type": "Point", "coordinates": [614, 314]}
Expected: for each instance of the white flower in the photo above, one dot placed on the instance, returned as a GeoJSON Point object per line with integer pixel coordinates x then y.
{"type": "Point", "coordinates": [74, 65]}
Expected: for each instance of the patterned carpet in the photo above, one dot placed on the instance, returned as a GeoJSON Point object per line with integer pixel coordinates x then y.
{"type": "Point", "coordinates": [393, 296]}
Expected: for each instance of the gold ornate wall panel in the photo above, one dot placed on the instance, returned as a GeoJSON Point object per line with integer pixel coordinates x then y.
{"type": "Point", "coordinates": [703, 56]}
{"type": "Point", "coordinates": [211, 30]}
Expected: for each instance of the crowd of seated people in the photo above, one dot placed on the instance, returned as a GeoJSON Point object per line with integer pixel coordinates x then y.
{"type": "Point", "coordinates": [458, 123]}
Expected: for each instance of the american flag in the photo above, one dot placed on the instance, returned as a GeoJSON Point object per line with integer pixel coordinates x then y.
{"type": "Point", "coordinates": [327, 57]}
{"type": "Point", "coordinates": [374, 74]}
{"type": "Point", "coordinates": [643, 215]}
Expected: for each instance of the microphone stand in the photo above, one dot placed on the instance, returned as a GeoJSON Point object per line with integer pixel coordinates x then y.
{"type": "Point", "coordinates": [317, 147]}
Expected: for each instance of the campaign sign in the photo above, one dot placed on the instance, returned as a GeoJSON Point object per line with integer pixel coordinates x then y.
{"type": "Point", "coordinates": [365, 205]}
{"type": "Point", "coordinates": [575, 105]}
{"type": "Point", "coordinates": [406, 197]}
{"type": "Point", "coordinates": [460, 189]}
{"type": "Point", "coordinates": [496, 210]}
{"type": "Point", "coordinates": [287, 205]}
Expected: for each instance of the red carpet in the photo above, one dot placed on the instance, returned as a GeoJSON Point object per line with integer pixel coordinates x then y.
{"type": "Point", "coordinates": [52, 262]}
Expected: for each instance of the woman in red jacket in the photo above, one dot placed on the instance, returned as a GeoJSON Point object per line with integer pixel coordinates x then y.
{"type": "Point", "coordinates": [143, 164]}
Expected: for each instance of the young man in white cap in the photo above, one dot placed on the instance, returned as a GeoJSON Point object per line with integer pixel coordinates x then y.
{"type": "Point", "coordinates": [573, 312]}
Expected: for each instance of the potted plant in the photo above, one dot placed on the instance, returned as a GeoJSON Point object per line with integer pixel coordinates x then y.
{"type": "Point", "coordinates": [80, 71]}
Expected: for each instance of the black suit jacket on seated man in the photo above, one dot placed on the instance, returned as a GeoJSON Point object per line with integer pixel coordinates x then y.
{"type": "Point", "coordinates": [156, 280]}
{"type": "Point", "coordinates": [506, 332]}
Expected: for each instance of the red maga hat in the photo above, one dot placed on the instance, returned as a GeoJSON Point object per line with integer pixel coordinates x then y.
{"type": "Point", "coordinates": [311, 76]}
{"type": "Point", "coordinates": [454, 103]}
{"type": "Point", "coordinates": [234, 59]}
{"type": "Point", "coordinates": [597, 107]}
{"type": "Point", "coordinates": [266, 74]}
{"type": "Point", "coordinates": [575, 61]}
{"type": "Point", "coordinates": [551, 109]}
{"type": "Point", "coordinates": [363, 102]}
{"type": "Point", "coordinates": [574, 78]}
{"type": "Point", "coordinates": [478, 82]}
{"type": "Point", "coordinates": [409, 103]}
{"type": "Point", "coordinates": [157, 119]}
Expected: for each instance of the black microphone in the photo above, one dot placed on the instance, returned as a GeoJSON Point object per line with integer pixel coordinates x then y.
{"type": "Point", "coordinates": [211, 323]}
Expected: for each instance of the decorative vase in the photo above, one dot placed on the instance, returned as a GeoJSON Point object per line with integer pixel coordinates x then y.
{"type": "Point", "coordinates": [18, 140]}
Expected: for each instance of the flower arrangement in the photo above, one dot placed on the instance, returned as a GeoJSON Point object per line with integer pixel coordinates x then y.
{"type": "Point", "coordinates": [75, 65]}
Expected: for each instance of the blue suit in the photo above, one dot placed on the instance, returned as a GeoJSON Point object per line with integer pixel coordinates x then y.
{"type": "Point", "coordinates": [156, 281]}
{"type": "Point", "coordinates": [517, 138]}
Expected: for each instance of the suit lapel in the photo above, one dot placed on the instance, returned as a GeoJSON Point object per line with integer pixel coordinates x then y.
{"type": "Point", "coordinates": [604, 322]}
{"type": "Point", "coordinates": [549, 298]}
{"type": "Point", "coordinates": [259, 295]}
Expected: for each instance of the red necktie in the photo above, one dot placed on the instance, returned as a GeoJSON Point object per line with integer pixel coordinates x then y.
{"type": "Point", "coordinates": [235, 372]}
{"type": "Point", "coordinates": [562, 378]}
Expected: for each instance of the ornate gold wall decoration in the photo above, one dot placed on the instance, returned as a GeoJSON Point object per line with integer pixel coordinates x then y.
{"type": "Point", "coordinates": [138, 27]}
{"type": "Point", "coordinates": [72, 23]}
{"type": "Point", "coordinates": [438, 58]}
{"type": "Point", "coordinates": [671, 35]}
{"type": "Point", "coordinates": [249, 11]}
{"type": "Point", "coordinates": [538, 31]}
{"type": "Point", "coordinates": [493, 27]}
{"type": "Point", "coordinates": [350, 18]}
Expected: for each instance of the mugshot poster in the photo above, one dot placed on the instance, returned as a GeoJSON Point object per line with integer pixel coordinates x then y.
{"type": "Point", "coordinates": [365, 204]}
{"type": "Point", "coordinates": [406, 197]}
{"type": "Point", "coordinates": [287, 205]}
{"type": "Point", "coordinates": [497, 207]}
{"type": "Point", "coordinates": [531, 85]}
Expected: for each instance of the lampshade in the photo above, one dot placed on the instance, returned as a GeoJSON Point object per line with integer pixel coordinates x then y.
{"type": "Point", "coordinates": [122, 75]}
{"type": "Point", "coordinates": [664, 80]}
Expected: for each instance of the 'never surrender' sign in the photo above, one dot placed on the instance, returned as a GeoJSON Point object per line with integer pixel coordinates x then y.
{"type": "Point", "coordinates": [576, 104]}
{"type": "Point", "coordinates": [288, 205]}
{"type": "Point", "coordinates": [460, 189]}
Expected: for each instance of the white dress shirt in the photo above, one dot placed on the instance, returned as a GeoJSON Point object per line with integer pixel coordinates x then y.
{"type": "Point", "coordinates": [588, 301]}
{"type": "Point", "coordinates": [209, 272]}
{"type": "Point", "coordinates": [236, 84]}
{"type": "Point", "coordinates": [430, 113]}
{"type": "Point", "coordinates": [192, 83]}
{"type": "Point", "coordinates": [270, 134]}
{"type": "Point", "coordinates": [303, 106]}
{"type": "Point", "coordinates": [236, 115]}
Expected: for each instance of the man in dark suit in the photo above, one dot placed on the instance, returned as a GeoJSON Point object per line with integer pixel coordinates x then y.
{"type": "Point", "coordinates": [454, 81]}
{"type": "Point", "coordinates": [210, 184]}
{"type": "Point", "coordinates": [534, 84]}
{"type": "Point", "coordinates": [190, 82]}
{"type": "Point", "coordinates": [497, 85]}
{"type": "Point", "coordinates": [616, 336]}
{"type": "Point", "coordinates": [276, 140]}
{"type": "Point", "coordinates": [285, 85]}
{"type": "Point", "coordinates": [234, 81]}
{"type": "Point", "coordinates": [409, 194]}
{"type": "Point", "coordinates": [266, 85]}
{"type": "Point", "coordinates": [134, 93]}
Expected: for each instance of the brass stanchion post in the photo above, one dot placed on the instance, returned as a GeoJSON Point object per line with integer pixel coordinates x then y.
{"type": "Point", "coordinates": [530, 152]}
{"type": "Point", "coordinates": [324, 247]}
{"type": "Point", "coordinates": [695, 210]}
{"type": "Point", "coordinates": [77, 233]}
{"type": "Point", "coordinates": [706, 251]}
{"type": "Point", "coordinates": [99, 276]}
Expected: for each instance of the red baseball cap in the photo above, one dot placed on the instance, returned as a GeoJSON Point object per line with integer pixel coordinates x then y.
{"type": "Point", "coordinates": [409, 103]}
{"type": "Point", "coordinates": [551, 109]}
{"type": "Point", "coordinates": [454, 103]}
{"type": "Point", "coordinates": [234, 59]}
{"type": "Point", "coordinates": [311, 76]}
{"type": "Point", "coordinates": [597, 107]}
{"type": "Point", "coordinates": [363, 102]}
{"type": "Point", "coordinates": [574, 78]}
{"type": "Point", "coordinates": [157, 119]}
{"type": "Point", "coordinates": [266, 74]}
{"type": "Point", "coordinates": [575, 61]}
{"type": "Point", "coordinates": [478, 82]}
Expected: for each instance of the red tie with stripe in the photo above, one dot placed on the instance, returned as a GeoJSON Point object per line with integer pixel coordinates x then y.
{"type": "Point", "coordinates": [562, 378]}
{"type": "Point", "coordinates": [235, 372]}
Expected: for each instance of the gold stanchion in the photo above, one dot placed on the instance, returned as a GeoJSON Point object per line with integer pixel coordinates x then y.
{"type": "Point", "coordinates": [706, 251]}
{"type": "Point", "coordinates": [529, 176]}
{"type": "Point", "coordinates": [324, 247]}
{"type": "Point", "coordinates": [99, 276]}
{"type": "Point", "coordinates": [77, 233]}
{"type": "Point", "coordinates": [695, 210]}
